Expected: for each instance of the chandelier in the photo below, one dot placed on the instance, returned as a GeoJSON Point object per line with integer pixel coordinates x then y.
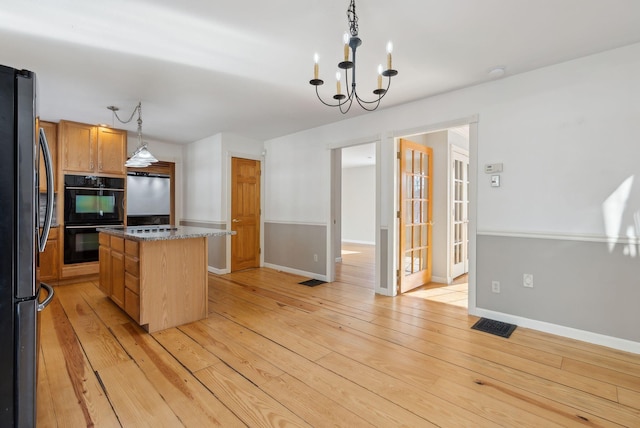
{"type": "Point", "coordinates": [142, 157]}
{"type": "Point", "coordinates": [351, 43]}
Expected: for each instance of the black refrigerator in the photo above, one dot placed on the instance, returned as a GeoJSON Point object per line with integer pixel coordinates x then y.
{"type": "Point", "coordinates": [21, 240]}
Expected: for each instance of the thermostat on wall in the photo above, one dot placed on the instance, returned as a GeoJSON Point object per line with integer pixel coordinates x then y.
{"type": "Point", "coordinates": [492, 168]}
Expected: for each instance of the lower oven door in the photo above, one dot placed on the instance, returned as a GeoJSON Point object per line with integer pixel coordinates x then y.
{"type": "Point", "coordinates": [81, 244]}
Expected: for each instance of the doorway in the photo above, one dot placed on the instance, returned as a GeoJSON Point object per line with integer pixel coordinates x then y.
{"type": "Point", "coordinates": [356, 215]}
{"type": "Point", "coordinates": [450, 220]}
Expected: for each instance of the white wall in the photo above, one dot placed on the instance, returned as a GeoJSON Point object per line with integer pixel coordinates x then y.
{"type": "Point", "coordinates": [206, 177]}
{"type": "Point", "coordinates": [359, 204]}
{"type": "Point", "coordinates": [568, 136]}
{"type": "Point", "coordinates": [203, 182]}
{"type": "Point", "coordinates": [572, 128]}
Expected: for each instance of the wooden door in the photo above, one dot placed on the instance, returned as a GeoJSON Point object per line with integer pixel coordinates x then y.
{"type": "Point", "coordinates": [459, 213]}
{"type": "Point", "coordinates": [245, 213]}
{"type": "Point", "coordinates": [416, 194]}
{"type": "Point", "coordinates": [78, 146]}
{"type": "Point", "coordinates": [112, 151]}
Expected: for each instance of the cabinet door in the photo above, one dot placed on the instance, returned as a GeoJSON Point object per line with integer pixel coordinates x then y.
{"type": "Point", "coordinates": [105, 269]}
{"type": "Point", "coordinates": [78, 145]}
{"type": "Point", "coordinates": [112, 151]}
{"type": "Point", "coordinates": [51, 132]}
{"type": "Point", "coordinates": [49, 262]}
{"type": "Point", "coordinates": [117, 278]}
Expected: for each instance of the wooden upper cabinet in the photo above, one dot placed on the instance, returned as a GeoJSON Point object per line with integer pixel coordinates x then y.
{"type": "Point", "coordinates": [112, 151]}
{"type": "Point", "coordinates": [78, 146]}
{"type": "Point", "coordinates": [51, 132]}
{"type": "Point", "coordinates": [92, 149]}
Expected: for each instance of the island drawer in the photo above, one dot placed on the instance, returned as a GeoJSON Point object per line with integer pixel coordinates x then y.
{"type": "Point", "coordinates": [132, 265]}
{"type": "Point", "coordinates": [132, 304]}
{"type": "Point", "coordinates": [104, 239]}
{"type": "Point", "coordinates": [117, 244]}
{"type": "Point", "coordinates": [132, 282]}
{"type": "Point", "coordinates": [131, 248]}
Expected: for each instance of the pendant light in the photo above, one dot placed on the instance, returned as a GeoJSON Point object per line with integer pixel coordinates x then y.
{"type": "Point", "coordinates": [142, 157]}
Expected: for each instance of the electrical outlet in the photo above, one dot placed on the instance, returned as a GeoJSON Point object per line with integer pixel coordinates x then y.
{"type": "Point", "coordinates": [495, 286]}
{"type": "Point", "coordinates": [315, 257]}
{"type": "Point", "coordinates": [527, 280]}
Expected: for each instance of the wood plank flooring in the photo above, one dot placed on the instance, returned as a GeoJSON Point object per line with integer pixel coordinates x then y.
{"type": "Point", "coordinates": [276, 353]}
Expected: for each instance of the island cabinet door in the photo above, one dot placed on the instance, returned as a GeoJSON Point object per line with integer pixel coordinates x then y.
{"type": "Point", "coordinates": [105, 265]}
{"type": "Point", "coordinates": [117, 278]}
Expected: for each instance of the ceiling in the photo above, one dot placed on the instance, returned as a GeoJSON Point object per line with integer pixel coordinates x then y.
{"type": "Point", "coordinates": [205, 67]}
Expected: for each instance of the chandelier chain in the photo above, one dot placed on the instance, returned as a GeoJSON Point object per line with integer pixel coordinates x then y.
{"type": "Point", "coordinates": [353, 19]}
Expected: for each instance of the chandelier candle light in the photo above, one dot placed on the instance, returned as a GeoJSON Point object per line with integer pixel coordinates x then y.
{"type": "Point", "coordinates": [351, 43]}
{"type": "Point", "coordinates": [142, 157]}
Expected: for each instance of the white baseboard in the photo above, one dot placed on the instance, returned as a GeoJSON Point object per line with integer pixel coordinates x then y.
{"type": "Point", "coordinates": [296, 272]}
{"type": "Point", "coordinates": [217, 271]}
{"type": "Point", "coordinates": [338, 259]}
{"type": "Point", "coordinates": [353, 241]}
{"type": "Point", "coordinates": [572, 333]}
{"type": "Point", "coordinates": [440, 279]}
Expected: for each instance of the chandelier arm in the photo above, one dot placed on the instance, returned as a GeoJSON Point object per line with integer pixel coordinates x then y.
{"type": "Point", "coordinates": [324, 102]}
{"type": "Point", "coordinates": [350, 100]}
{"type": "Point", "coordinates": [364, 104]}
{"type": "Point", "coordinates": [376, 101]}
{"type": "Point", "coordinates": [136, 109]}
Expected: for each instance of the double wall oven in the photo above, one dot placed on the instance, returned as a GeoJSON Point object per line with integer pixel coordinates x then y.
{"type": "Point", "coordinates": [89, 202]}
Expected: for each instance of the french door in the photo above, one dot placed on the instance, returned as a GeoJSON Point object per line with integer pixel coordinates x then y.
{"type": "Point", "coordinates": [415, 214]}
{"type": "Point", "coordinates": [459, 212]}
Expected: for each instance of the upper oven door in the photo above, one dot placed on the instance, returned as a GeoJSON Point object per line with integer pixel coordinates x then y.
{"type": "Point", "coordinates": [93, 205]}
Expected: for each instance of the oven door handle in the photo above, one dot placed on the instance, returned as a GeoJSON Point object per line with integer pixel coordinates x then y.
{"type": "Point", "coordinates": [48, 166]}
{"type": "Point", "coordinates": [95, 189]}
{"type": "Point", "coordinates": [92, 226]}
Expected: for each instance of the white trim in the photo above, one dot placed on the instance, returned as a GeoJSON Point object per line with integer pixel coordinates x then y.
{"type": "Point", "coordinates": [442, 126]}
{"type": "Point", "coordinates": [216, 222]}
{"type": "Point", "coordinates": [258, 158]}
{"type": "Point", "coordinates": [563, 236]}
{"type": "Point", "coordinates": [299, 223]}
{"type": "Point", "coordinates": [558, 330]}
{"type": "Point", "coordinates": [338, 259]}
{"type": "Point", "coordinates": [441, 280]}
{"type": "Point", "coordinates": [217, 271]}
{"type": "Point", "coordinates": [296, 271]}
{"type": "Point", "coordinates": [353, 241]}
{"type": "Point", "coordinates": [354, 142]}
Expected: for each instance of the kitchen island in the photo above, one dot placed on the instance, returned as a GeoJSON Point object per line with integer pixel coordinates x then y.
{"type": "Point", "coordinates": [157, 274]}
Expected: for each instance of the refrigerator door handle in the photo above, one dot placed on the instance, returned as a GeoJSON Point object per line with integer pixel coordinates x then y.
{"type": "Point", "coordinates": [48, 166]}
{"type": "Point", "coordinates": [46, 301]}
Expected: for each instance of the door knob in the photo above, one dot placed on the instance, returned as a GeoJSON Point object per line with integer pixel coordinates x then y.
{"type": "Point", "coordinates": [235, 220]}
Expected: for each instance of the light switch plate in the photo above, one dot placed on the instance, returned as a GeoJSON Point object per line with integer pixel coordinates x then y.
{"type": "Point", "coordinates": [495, 181]}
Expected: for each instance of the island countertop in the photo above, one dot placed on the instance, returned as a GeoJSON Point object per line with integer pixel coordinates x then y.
{"type": "Point", "coordinates": [162, 233]}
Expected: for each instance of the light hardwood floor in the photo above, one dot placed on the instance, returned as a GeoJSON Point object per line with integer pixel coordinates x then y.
{"type": "Point", "coordinates": [276, 353]}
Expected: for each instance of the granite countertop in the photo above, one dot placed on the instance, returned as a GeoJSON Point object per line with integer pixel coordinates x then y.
{"type": "Point", "coordinates": [162, 233]}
